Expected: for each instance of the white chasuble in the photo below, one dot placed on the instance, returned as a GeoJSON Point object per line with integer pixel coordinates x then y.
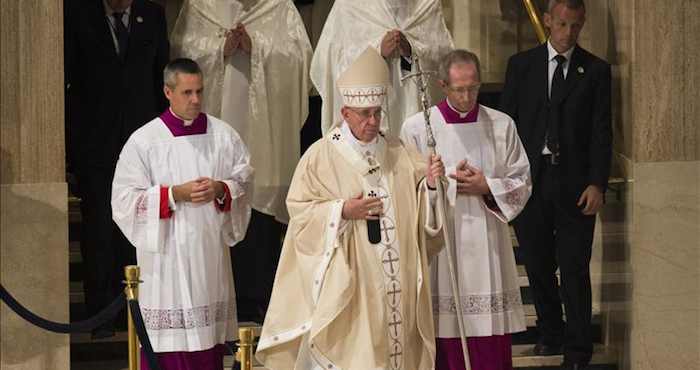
{"type": "Point", "coordinates": [340, 302]}
{"type": "Point", "coordinates": [187, 297]}
{"type": "Point", "coordinates": [352, 26]}
{"type": "Point", "coordinates": [264, 95]}
{"type": "Point", "coordinates": [485, 264]}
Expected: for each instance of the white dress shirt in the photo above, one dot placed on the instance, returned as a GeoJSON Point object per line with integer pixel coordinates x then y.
{"type": "Point", "coordinates": [552, 67]}
{"type": "Point", "coordinates": [111, 22]}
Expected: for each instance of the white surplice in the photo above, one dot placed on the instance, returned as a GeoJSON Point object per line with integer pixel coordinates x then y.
{"type": "Point", "coordinates": [187, 296]}
{"type": "Point", "coordinates": [264, 94]}
{"type": "Point", "coordinates": [485, 264]}
{"type": "Point", "coordinates": [352, 26]}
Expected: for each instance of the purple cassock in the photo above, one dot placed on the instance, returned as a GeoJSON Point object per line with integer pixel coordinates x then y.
{"type": "Point", "coordinates": [211, 359]}
{"type": "Point", "coordinates": [485, 353]}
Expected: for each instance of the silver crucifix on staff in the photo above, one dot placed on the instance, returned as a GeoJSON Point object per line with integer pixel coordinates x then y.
{"type": "Point", "coordinates": [422, 82]}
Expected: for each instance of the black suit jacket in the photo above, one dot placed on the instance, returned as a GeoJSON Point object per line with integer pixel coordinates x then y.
{"type": "Point", "coordinates": [108, 98]}
{"type": "Point", "coordinates": [585, 135]}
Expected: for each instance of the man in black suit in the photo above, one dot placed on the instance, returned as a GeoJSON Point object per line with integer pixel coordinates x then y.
{"type": "Point", "coordinates": [559, 96]}
{"type": "Point", "coordinates": [115, 52]}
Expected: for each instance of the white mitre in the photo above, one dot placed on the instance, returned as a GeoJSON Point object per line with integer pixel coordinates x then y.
{"type": "Point", "coordinates": [365, 82]}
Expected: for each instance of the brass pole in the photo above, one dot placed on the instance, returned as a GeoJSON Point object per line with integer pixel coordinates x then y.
{"type": "Point", "coordinates": [536, 20]}
{"type": "Point", "coordinates": [244, 355]}
{"type": "Point", "coordinates": [131, 275]}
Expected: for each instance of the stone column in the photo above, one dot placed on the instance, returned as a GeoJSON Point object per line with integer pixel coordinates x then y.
{"type": "Point", "coordinates": [33, 192]}
{"type": "Point", "coordinates": [172, 10]}
{"type": "Point", "coordinates": [494, 30]}
{"type": "Point", "coordinates": [654, 51]}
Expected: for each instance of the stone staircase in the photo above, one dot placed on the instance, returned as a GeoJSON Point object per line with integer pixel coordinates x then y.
{"type": "Point", "coordinates": [111, 353]}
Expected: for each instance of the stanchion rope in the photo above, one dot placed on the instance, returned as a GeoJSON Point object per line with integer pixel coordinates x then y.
{"type": "Point", "coordinates": [108, 313]}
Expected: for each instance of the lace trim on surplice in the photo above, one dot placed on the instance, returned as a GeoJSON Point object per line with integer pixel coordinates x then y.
{"type": "Point", "coordinates": [479, 303]}
{"type": "Point", "coordinates": [187, 318]}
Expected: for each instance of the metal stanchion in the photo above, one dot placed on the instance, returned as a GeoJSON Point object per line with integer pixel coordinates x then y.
{"type": "Point", "coordinates": [131, 275]}
{"type": "Point", "coordinates": [244, 355]}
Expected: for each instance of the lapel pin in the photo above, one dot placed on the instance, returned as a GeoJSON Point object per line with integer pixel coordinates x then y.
{"type": "Point", "coordinates": [580, 70]}
{"type": "Point", "coordinates": [139, 19]}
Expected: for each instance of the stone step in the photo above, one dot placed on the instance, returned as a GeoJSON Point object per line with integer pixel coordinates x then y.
{"type": "Point", "coordinates": [73, 209]}
{"type": "Point", "coordinates": [597, 280]}
{"type": "Point", "coordinates": [524, 358]}
{"type": "Point", "coordinates": [531, 334]}
{"type": "Point", "coordinates": [74, 255]}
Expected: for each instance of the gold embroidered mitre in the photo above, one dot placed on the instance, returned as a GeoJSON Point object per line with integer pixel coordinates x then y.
{"type": "Point", "coordinates": [365, 82]}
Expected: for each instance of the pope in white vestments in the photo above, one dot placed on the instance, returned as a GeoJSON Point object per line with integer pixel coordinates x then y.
{"type": "Point", "coordinates": [489, 186]}
{"type": "Point", "coordinates": [180, 195]}
{"type": "Point", "coordinates": [352, 288]}
{"type": "Point", "coordinates": [399, 30]}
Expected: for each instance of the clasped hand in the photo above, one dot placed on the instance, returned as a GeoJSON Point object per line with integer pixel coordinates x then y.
{"type": "Point", "coordinates": [395, 40]}
{"type": "Point", "coordinates": [237, 38]}
{"type": "Point", "coordinates": [470, 180]}
{"type": "Point", "coordinates": [200, 190]}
